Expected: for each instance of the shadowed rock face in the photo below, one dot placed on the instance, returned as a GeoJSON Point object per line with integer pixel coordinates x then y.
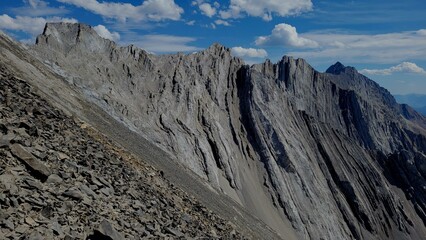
{"type": "Point", "coordinates": [330, 154]}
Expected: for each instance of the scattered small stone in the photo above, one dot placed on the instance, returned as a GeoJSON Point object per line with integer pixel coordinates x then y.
{"type": "Point", "coordinates": [9, 224]}
{"type": "Point", "coordinates": [87, 201]}
{"type": "Point", "coordinates": [35, 165]}
{"type": "Point", "coordinates": [61, 156]}
{"type": "Point", "coordinates": [7, 182]}
{"type": "Point", "coordinates": [73, 193]}
{"type": "Point", "coordinates": [47, 211]}
{"type": "Point", "coordinates": [4, 215]}
{"type": "Point", "coordinates": [33, 184]}
{"type": "Point", "coordinates": [173, 232]}
{"type": "Point", "coordinates": [85, 189]}
{"type": "Point", "coordinates": [22, 132]}
{"type": "Point", "coordinates": [30, 221]}
{"type": "Point", "coordinates": [26, 207]}
{"type": "Point", "coordinates": [22, 228]}
{"type": "Point", "coordinates": [35, 236]}
{"type": "Point", "coordinates": [68, 237]}
{"type": "Point", "coordinates": [187, 218]}
{"type": "Point", "coordinates": [106, 191]}
{"type": "Point", "coordinates": [53, 178]}
{"type": "Point", "coordinates": [56, 228]}
{"type": "Point", "coordinates": [107, 230]}
{"type": "Point", "coordinates": [65, 175]}
{"type": "Point", "coordinates": [5, 140]}
{"type": "Point", "coordinates": [104, 182]}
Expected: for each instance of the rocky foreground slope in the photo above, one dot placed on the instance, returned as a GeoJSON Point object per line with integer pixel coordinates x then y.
{"type": "Point", "coordinates": [313, 155]}
{"type": "Point", "coordinates": [61, 179]}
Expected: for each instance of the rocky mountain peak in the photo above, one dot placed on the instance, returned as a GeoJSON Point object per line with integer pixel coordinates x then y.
{"type": "Point", "coordinates": [217, 49]}
{"type": "Point", "coordinates": [65, 36]}
{"type": "Point", "coordinates": [336, 68]}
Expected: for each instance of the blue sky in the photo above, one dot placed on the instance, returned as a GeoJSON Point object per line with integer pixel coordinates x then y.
{"type": "Point", "coordinates": [385, 40]}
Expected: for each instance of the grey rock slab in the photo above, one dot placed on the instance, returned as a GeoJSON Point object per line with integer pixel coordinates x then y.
{"type": "Point", "coordinates": [5, 140]}
{"type": "Point", "coordinates": [107, 191]}
{"type": "Point", "coordinates": [39, 148]}
{"type": "Point", "coordinates": [2, 199]}
{"type": "Point", "coordinates": [74, 194]}
{"type": "Point", "coordinates": [34, 236]}
{"type": "Point", "coordinates": [36, 201]}
{"type": "Point", "coordinates": [65, 175]}
{"type": "Point", "coordinates": [9, 224]}
{"type": "Point", "coordinates": [173, 232]}
{"type": "Point", "coordinates": [106, 229]}
{"type": "Point", "coordinates": [62, 156]}
{"type": "Point", "coordinates": [36, 166]}
{"type": "Point", "coordinates": [23, 228]}
{"type": "Point", "coordinates": [104, 181]}
{"type": "Point", "coordinates": [30, 221]}
{"type": "Point", "coordinates": [26, 207]}
{"type": "Point", "coordinates": [4, 215]}
{"type": "Point", "coordinates": [53, 178]}
{"type": "Point", "coordinates": [22, 132]}
{"type": "Point", "coordinates": [85, 189]}
{"type": "Point", "coordinates": [68, 237]}
{"type": "Point", "coordinates": [34, 184]}
{"type": "Point", "coordinates": [56, 228]}
{"type": "Point", "coordinates": [7, 182]}
{"type": "Point", "coordinates": [47, 211]}
{"type": "Point", "coordinates": [14, 201]}
{"type": "Point", "coordinates": [187, 218]}
{"type": "Point", "coordinates": [87, 201]}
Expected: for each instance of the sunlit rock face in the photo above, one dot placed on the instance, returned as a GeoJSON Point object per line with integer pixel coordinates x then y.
{"type": "Point", "coordinates": [331, 155]}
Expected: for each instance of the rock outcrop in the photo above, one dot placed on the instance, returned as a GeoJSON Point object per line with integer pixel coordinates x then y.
{"type": "Point", "coordinates": [330, 155]}
{"type": "Point", "coordinates": [61, 179]}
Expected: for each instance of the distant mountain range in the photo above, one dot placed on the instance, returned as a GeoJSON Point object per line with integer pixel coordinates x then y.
{"type": "Point", "coordinates": [417, 101]}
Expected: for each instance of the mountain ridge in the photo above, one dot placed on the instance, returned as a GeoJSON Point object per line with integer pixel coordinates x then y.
{"type": "Point", "coordinates": [277, 138]}
{"type": "Point", "coordinates": [417, 101]}
{"type": "Point", "coordinates": [193, 95]}
{"type": "Point", "coordinates": [62, 94]}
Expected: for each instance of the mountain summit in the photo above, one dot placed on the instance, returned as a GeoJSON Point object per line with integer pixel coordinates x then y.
{"type": "Point", "coordinates": [312, 155]}
{"type": "Point", "coordinates": [336, 68]}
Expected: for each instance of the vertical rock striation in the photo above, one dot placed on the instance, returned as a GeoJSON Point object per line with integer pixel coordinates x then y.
{"type": "Point", "coordinates": [330, 154]}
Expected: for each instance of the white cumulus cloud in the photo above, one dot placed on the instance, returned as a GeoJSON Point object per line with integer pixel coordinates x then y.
{"type": "Point", "coordinates": [422, 32]}
{"type": "Point", "coordinates": [30, 25]}
{"type": "Point", "coordinates": [285, 35]}
{"type": "Point", "coordinates": [385, 48]}
{"type": "Point", "coordinates": [266, 8]}
{"type": "Point", "coordinates": [105, 33]}
{"type": "Point", "coordinates": [406, 67]}
{"type": "Point", "coordinates": [35, 8]}
{"type": "Point", "coordinates": [190, 23]}
{"type": "Point", "coordinates": [207, 9]}
{"type": "Point", "coordinates": [222, 22]}
{"type": "Point", "coordinates": [149, 10]}
{"type": "Point", "coordinates": [162, 43]}
{"type": "Point", "coordinates": [249, 52]}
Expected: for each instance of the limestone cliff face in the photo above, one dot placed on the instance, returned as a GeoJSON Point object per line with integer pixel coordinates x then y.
{"type": "Point", "coordinates": [331, 154]}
